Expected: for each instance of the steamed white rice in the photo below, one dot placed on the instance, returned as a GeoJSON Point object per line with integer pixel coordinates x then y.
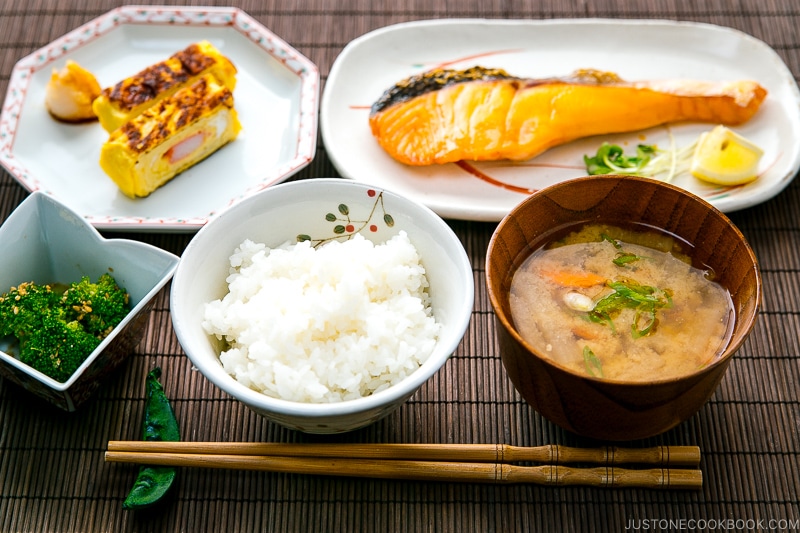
{"type": "Point", "coordinates": [326, 324]}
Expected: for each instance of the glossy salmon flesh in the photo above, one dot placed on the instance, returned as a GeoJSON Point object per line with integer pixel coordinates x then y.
{"type": "Point", "coordinates": [481, 114]}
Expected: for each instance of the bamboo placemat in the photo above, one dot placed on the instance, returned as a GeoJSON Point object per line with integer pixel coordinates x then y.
{"type": "Point", "coordinates": [52, 473]}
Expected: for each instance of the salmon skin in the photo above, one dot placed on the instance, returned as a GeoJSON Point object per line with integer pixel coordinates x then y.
{"type": "Point", "coordinates": [482, 114]}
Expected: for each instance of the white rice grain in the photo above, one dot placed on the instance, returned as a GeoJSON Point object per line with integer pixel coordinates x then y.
{"type": "Point", "coordinates": [326, 324]}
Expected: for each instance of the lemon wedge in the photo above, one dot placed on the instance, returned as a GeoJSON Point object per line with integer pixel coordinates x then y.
{"type": "Point", "coordinates": [724, 157]}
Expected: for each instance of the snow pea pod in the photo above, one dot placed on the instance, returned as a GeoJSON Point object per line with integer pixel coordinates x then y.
{"type": "Point", "coordinates": [153, 482]}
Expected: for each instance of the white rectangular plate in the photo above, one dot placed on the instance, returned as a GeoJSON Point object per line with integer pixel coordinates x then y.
{"type": "Point", "coordinates": [634, 49]}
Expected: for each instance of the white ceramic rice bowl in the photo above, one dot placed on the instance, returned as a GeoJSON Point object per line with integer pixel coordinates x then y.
{"type": "Point", "coordinates": [280, 214]}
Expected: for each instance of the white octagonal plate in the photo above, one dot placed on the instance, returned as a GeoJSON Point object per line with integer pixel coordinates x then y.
{"type": "Point", "coordinates": [276, 97]}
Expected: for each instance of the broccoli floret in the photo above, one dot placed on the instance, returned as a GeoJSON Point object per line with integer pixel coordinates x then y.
{"type": "Point", "coordinates": [59, 348]}
{"type": "Point", "coordinates": [22, 309]}
{"type": "Point", "coordinates": [57, 330]}
{"type": "Point", "coordinates": [98, 306]}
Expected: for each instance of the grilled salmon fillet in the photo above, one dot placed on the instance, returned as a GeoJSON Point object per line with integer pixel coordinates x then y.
{"type": "Point", "coordinates": [169, 137]}
{"type": "Point", "coordinates": [131, 96]}
{"type": "Point", "coordinates": [482, 114]}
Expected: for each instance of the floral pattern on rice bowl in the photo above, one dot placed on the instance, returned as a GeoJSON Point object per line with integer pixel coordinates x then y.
{"type": "Point", "coordinates": [346, 226]}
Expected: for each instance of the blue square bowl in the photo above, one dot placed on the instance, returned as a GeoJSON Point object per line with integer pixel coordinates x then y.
{"type": "Point", "coordinates": [45, 242]}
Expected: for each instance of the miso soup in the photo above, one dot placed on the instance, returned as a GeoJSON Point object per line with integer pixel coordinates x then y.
{"type": "Point", "coordinates": [620, 305]}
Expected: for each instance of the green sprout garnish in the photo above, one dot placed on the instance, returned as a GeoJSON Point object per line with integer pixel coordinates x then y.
{"type": "Point", "coordinates": [649, 161]}
{"type": "Point", "coordinates": [623, 258]}
{"type": "Point", "coordinates": [645, 300]}
{"type": "Point", "coordinates": [611, 159]}
{"type": "Point", "coordinates": [593, 365]}
{"type": "Point", "coordinates": [613, 241]}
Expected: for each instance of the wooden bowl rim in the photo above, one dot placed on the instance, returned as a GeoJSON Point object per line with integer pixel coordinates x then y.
{"type": "Point", "coordinates": [747, 325]}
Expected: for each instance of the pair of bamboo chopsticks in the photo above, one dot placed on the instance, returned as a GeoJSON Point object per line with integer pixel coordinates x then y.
{"type": "Point", "coordinates": [483, 463]}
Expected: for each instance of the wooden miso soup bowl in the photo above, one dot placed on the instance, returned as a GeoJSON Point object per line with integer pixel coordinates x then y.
{"type": "Point", "coordinates": [594, 407]}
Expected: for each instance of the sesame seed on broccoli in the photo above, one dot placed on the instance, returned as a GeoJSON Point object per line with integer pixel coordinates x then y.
{"type": "Point", "coordinates": [58, 327]}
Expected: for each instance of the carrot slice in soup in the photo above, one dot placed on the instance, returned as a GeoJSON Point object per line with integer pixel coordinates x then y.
{"type": "Point", "coordinates": [575, 279]}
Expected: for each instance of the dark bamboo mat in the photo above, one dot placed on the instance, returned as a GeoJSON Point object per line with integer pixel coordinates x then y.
{"type": "Point", "coordinates": [52, 474]}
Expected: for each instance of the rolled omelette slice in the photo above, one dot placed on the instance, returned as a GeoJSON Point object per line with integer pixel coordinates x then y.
{"type": "Point", "coordinates": [130, 97]}
{"type": "Point", "coordinates": [181, 130]}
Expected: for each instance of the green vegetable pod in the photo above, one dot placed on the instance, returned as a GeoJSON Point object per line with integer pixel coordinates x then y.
{"type": "Point", "coordinates": [153, 482]}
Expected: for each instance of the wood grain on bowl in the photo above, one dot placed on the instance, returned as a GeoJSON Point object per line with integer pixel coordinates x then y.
{"type": "Point", "coordinates": [614, 409]}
